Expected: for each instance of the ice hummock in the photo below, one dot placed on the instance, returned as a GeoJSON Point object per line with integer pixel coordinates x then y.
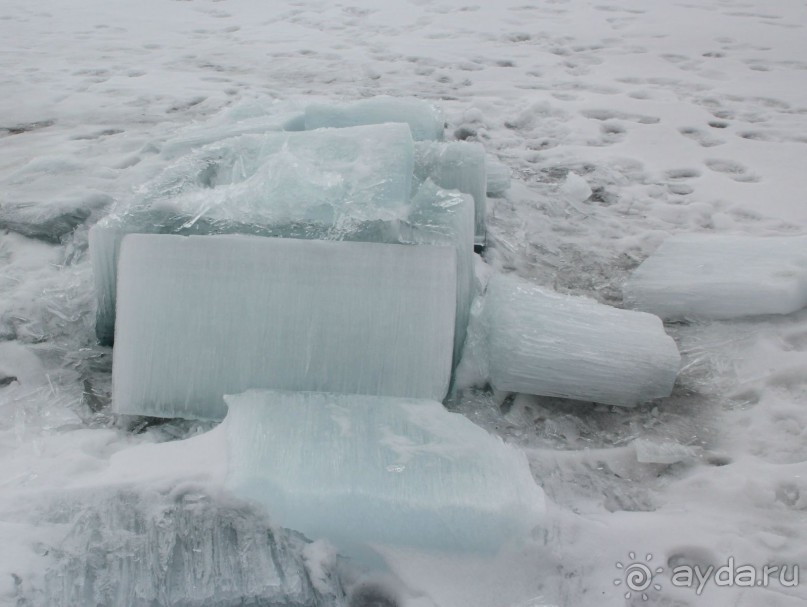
{"type": "Point", "coordinates": [332, 183]}
{"type": "Point", "coordinates": [528, 339]}
{"type": "Point", "coordinates": [425, 120]}
{"type": "Point", "coordinates": [187, 548]}
{"type": "Point", "coordinates": [204, 316]}
{"type": "Point", "coordinates": [456, 165]}
{"type": "Point", "coordinates": [367, 470]}
{"type": "Point", "coordinates": [721, 277]}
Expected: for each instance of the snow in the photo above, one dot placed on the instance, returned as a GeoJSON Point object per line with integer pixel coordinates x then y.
{"type": "Point", "coordinates": [204, 316]}
{"type": "Point", "coordinates": [681, 118]}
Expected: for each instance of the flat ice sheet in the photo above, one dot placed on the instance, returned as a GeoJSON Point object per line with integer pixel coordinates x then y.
{"type": "Point", "coordinates": [721, 277]}
{"type": "Point", "coordinates": [204, 316]}
{"type": "Point", "coordinates": [363, 470]}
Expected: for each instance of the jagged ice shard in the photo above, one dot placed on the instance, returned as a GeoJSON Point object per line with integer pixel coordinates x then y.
{"type": "Point", "coordinates": [456, 165]}
{"type": "Point", "coordinates": [329, 184]}
{"type": "Point", "coordinates": [425, 120]}
{"type": "Point", "coordinates": [721, 277]}
{"type": "Point", "coordinates": [204, 316]}
{"type": "Point", "coordinates": [524, 338]}
{"type": "Point", "coordinates": [366, 470]}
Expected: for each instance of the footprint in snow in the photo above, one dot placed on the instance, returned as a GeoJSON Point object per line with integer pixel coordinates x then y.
{"type": "Point", "coordinates": [733, 169]}
{"type": "Point", "coordinates": [701, 137]}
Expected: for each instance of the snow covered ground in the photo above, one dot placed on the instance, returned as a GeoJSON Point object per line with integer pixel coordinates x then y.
{"type": "Point", "coordinates": [680, 117]}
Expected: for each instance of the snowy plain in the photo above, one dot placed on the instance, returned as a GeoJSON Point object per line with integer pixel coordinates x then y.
{"type": "Point", "coordinates": [687, 116]}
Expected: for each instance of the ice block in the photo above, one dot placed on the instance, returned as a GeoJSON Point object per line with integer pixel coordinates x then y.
{"type": "Point", "coordinates": [204, 316]}
{"type": "Point", "coordinates": [332, 183]}
{"type": "Point", "coordinates": [368, 470]}
{"type": "Point", "coordinates": [721, 276]}
{"type": "Point", "coordinates": [180, 548]}
{"type": "Point", "coordinates": [498, 177]}
{"type": "Point", "coordinates": [443, 217]}
{"type": "Point", "coordinates": [531, 340]}
{"type": "Point", "coordinates": [456, 165]}
{"type": "Point", "coordinates": [425, 120]}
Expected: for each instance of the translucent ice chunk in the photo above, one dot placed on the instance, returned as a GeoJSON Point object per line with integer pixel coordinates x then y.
{"type": "Point", "coordinates": [532, 340]}
{"type": "Point", "coordinates": [457, 165]}
{"type": "Point", "coordinates": [441, 217]}
{"type": "Point", "coordinates": [333, 183]}
{"type": "Point", "coordinates": [425, 120]}
{"type": "Point", "coordinates": [716, 276]}
{"type": "Point", "coordinates": [183, 549]}
{"type": "Point", "coordinates": [204, 316]}
{"type": "Point", "coordinates": [363, 470]}
{"type": "Point", "coordinates": [281, 177]}
{"type": "Point", "coordinates": [249, 117]}
{"type": "Point", "coordinates": [498, 177]}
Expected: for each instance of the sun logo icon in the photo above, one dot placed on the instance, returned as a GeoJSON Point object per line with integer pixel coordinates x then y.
{"type": "Point", "coordinates": [638, 576]}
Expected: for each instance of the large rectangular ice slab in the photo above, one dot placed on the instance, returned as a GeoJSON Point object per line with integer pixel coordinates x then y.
{"type": "Point", "coordinates": [425, 120]}
{"type": "Point", "coordinates": [364, 470]}
{"type": "Point", "coordinates": [532, 340]}
{"type": "Point", "coordinates": [721, 276]}
{"type": "Point", "coordinates": [332, 182]}
{"type": "Point", "coordinates": [457, 165]}
{"type": "Point", "coordinates": [204, 316]}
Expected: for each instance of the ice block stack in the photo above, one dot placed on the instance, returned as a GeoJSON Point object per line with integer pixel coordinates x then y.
{"type": "Point", "coordinates": [364, 470]}
{"type": "Point", "coordinates": [204, 316]}
{"type": "Point", "coordinates": [721, 277]}
{"type": "Point", "coordinates": [333, 269]}
{"type": "Point", "coordinates": [528, 339]}
{"type": "Point", "coordinates": [336, 184]}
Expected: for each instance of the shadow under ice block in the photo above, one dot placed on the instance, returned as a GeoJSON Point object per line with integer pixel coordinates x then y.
{"type": "Point", "coordinates": [425, 120]}
{"type": "Point", "coordinates": [204, 316]}
{"type": "Point", "coordinates": [721, 277]}
{"type": "Point", "coordinates": [327, 184]}
{"type": "Point", "coordinates": [532, 340]}
{"type": "Point", "coordinates": [364, 470]}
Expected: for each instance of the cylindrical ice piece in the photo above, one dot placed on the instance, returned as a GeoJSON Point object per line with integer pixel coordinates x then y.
{"type": "Point", "coordinates": [537, 341]}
